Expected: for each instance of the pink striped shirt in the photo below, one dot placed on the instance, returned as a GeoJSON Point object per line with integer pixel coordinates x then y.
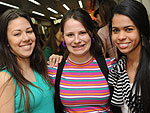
{"type": "Point", "coordinates": [83, 87]}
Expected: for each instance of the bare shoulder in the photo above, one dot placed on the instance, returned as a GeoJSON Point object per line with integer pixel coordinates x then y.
{"type": "Point", "coordinates": [7, 93]}
{"type": "Point", "coordinates": [4, 77]}
{"type": "Point", "coordinates": [6, 81]}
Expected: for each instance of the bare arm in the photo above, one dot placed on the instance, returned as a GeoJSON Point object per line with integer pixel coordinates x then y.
{"type": "Point", "coordinates": [7, 93]}
{"type": "Point", "coordinates": [54, 60]}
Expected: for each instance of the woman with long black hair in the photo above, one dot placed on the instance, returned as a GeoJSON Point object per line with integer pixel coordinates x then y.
{"type": "Point", "coordinates": [130, 32]}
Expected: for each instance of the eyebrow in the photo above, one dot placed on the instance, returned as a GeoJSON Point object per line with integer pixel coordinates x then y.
{"type": "Point", "coordinates": [129, 26]}
{"type": "Point", "coordinates": [20, 30]}
{"type": "Point", "coordinates": [126, 26]}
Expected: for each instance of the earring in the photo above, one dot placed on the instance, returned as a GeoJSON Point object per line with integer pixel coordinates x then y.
{"type": "Point", "coordinates": [64, 44]}
{"type": "Point", "coordinates": [93, 40]}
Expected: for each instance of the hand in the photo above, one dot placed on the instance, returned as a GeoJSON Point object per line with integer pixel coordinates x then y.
{"type": "Point", "coordinates": [54, 60]}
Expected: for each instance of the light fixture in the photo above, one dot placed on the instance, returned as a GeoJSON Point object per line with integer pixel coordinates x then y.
{"type": "Point", "coordinates": [65, 6]}
{"type": "Point", "coordinates": [61, 15]}
{"type": "Point", "coordinates": [56, 21]}
{"type": "Point", "coordinates": [80, 4]}
{"type": "Point", "coordinates": [52, 10]}
{"type": "Point", "coordinates": [52, 18]}
{"type": "Point", "coordinates": [35, 12]}
{"type": "Point", "coordinates": [9, 5]}
{"type": "Point", "coordinates": [35, 2]}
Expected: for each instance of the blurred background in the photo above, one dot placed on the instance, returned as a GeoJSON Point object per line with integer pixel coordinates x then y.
{"type": "Point", "coordinates": [45, 13]}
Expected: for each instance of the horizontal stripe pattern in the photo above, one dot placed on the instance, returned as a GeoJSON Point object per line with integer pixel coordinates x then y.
{"type": "Point", "coordinates": [83, 87]}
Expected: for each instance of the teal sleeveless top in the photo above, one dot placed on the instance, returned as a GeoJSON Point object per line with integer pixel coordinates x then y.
{"type": "Point", "coordinates": [43, 100]}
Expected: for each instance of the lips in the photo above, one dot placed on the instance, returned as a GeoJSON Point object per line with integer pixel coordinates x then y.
{"type": "Point", "coordinates": [79, 46]}
{"type": "Point", "coordinates": [26, 47]}
{"type": "Point", "coordinates": [123, 45]}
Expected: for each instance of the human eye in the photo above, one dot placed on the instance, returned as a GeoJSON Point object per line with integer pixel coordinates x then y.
{"type": "Point", "coordinates": [115, 30]}
{"type": "Point", "coordinates": [83, 32]}
{"type": "Point", "coordinates": [17, 34]}
{"type": "Point", "coordinates": [30, 31]}
{"type": "Point", "coordinates": [129, 29]}
{"type": "Point", "coordinates": [70, 35]}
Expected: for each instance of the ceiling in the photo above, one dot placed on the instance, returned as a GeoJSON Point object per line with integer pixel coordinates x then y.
{"type": "Point", "coordinates": [28, 7]}
{"type": "Point", "coordinates": [25, 5]}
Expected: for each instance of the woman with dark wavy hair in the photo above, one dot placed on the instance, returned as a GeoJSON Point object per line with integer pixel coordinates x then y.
{"type": "Point", "coordinates": [24, 83]}
{"type": "Point", "coordinates": [130, 32]}
{"type": "Point", "coordinates": [81, 78]}
{"type": "Point", "coordinates": [54, 42]}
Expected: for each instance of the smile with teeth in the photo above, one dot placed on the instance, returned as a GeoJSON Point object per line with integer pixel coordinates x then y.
{"type": "Point", "coordinates": [28, 46]}
{"type": "Point", "coordinates": [123, 45]}
{"type": "Point", "coordinates": [79, 46]}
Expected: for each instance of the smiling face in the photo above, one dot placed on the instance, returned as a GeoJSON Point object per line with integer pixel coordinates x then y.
{"type": "Point", "coordinates": [77, 39]}
{"type": "Point", "coordinates": [125, 34]}
{"type": "Point", "coordinates": [21, 37]}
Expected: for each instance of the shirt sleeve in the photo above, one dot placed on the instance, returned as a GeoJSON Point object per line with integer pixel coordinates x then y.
{"type": "Point", "coordinates": [52, 71]}
{"type": "Point", "coordinates": [115, 73]}
{"type": "Point", "coordinates": [110, 63]}
{"type": "Point", "coordinates": [112, 77]}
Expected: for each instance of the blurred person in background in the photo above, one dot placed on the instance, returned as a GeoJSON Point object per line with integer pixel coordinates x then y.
{"type": "Point", "coordinates": [54, 42]}
{"type": "Point", "coordinates": [98, 18]}
{"type": "Point", "coordinates": [105, 11]}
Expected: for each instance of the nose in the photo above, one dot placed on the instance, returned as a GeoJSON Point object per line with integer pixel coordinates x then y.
{"type": "Point", "coordinates": [25, 36]}
{"type": "Point", "coordinates": [122, 35]}
{"type": "Point", "coordinates": [77, 39]}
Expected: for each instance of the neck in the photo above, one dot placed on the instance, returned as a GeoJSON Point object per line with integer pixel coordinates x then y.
{"type": "Point", "coordinates": [24, 64]}
{"type": "Point", "coordinates": [132, 63]}
{"type": "Point", "coordinates": [80, 59]}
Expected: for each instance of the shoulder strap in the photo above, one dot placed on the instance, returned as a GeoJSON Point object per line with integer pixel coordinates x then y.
{"type": "Point", "coordinates": [57, 102]}
{"type": "Point", "coordinates": [102, 64]}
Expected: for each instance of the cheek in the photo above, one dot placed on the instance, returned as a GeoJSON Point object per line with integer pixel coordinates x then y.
{"type": "Point", "coordinates": [137, 40]}
{"type": "Point", "coordinates": [113, 38]}
{"type": "Point", "coordinates": [33, 39]}
{"type": "Point", "coordinates": [87, 38]}
{"type": "Point", "coordinates": [13, 42]}
{"type": "Point", "coordinates": [68, 40]}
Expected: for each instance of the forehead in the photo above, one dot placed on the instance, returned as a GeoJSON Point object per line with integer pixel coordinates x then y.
{"type": "Point", "coordinates": [119, 20]}
{"type": "Point", "coordinates": [72, 24]}
{"type": "Point", "coordinates": [72, 21]}
{"type": "Point", "coordinates": [20, 21]}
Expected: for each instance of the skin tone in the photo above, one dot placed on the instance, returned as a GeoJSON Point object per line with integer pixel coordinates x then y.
{"type": "Point", "coordinates": [126, 37]}
{"type": "Point", "coordinates": [77, 40]}
{"type": "Point", "coordinates": [21, 40]}
{"type": "Point", "coordinates": [98, 20]}
{"type": "Point", "coordinates": [59, 39]}
{"type": "Point", "coordinates": [59, 36]}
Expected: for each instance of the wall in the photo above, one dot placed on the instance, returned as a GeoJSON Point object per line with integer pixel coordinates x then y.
{"type": "Point", "coordinates": [146, 4]}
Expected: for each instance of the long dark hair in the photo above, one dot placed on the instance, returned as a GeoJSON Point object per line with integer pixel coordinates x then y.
{"type": "Point", "coordinates": [8, 60]}
{"type": "Point", "coordinates": [138, 14]}
{"type": "Point", "coordinates": [83, 17]}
